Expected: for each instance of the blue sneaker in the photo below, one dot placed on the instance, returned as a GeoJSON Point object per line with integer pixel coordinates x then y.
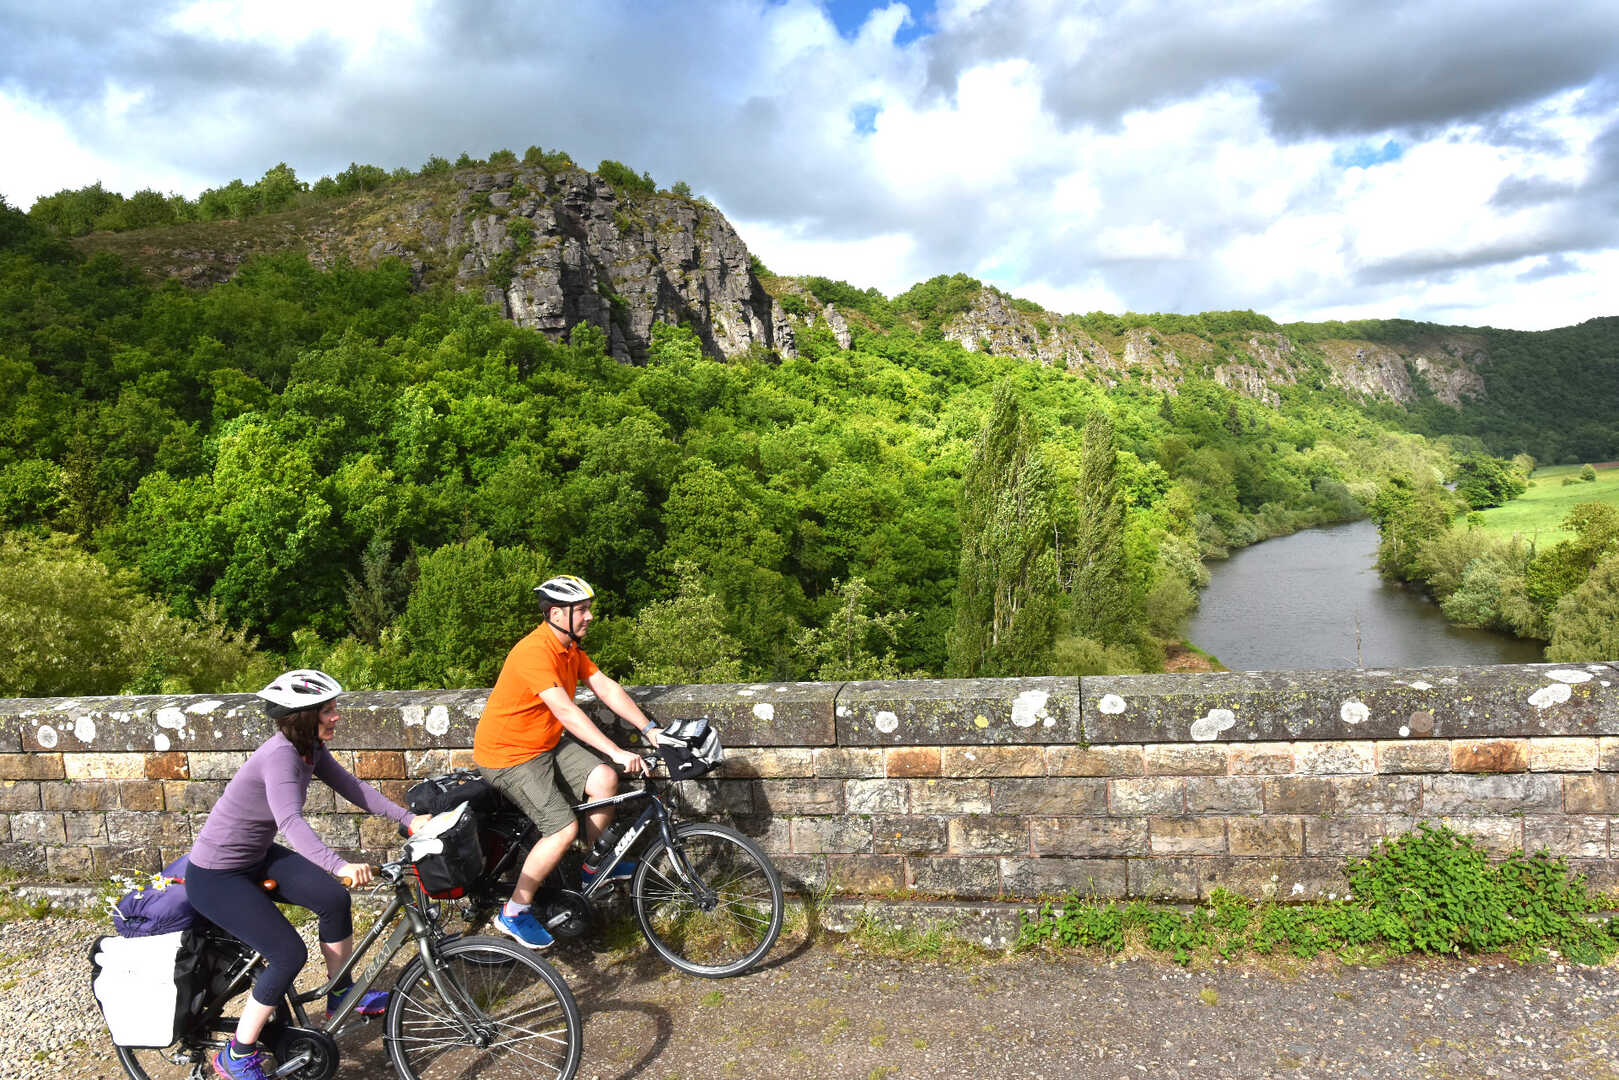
{"type": "Point", "coordinates": [525, 929]}
{"type": "Point", "coordinates": [622, 872]}
{"type": "Point", "coordinates": [374, 1003]}
{"type": "Point", "coordinates": [250, 1067]}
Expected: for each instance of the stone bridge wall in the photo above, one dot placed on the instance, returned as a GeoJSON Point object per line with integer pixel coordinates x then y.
{"type": "Point", "coordinates": [1156, 786]}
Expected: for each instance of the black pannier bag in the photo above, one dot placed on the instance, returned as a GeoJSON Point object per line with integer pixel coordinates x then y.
{"type": "Point", "coordinates": [689, 748]}
{"type": "Point", "coordinates": [437, 794]}
{"type": "Point", "coordinates": [445, 853]}
{"type": "Point", "coordinates": [148, 987]}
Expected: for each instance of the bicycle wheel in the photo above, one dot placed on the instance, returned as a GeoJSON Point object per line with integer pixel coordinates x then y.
{"type": "Point", "coordinates": [176, 1063]}
{"type": "Point", "coordinates": [720, 935]}
{"type": "Point", "coordinates": [524, 1022]}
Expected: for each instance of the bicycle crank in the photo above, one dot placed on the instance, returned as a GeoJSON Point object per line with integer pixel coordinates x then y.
{"type": "Point", "coordinates": [304, 1054]}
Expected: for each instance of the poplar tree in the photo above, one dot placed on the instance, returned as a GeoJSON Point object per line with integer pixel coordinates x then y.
{"type": "Point", "coordinates": [1104, 605]}
{"type": "Point", "coordinates": [1007, 591]}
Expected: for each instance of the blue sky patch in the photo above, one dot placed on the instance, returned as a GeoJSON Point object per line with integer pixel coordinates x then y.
{"type": "Point", "coordinates": [1365, 155]}
{"type": "Point", "coordinates": [850, 15]}
{"type": "Point", "coordinates": [864, 118]}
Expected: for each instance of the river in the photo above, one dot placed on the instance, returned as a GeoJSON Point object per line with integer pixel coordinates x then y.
{"type": "Point", "coordinates": [1315, 600]}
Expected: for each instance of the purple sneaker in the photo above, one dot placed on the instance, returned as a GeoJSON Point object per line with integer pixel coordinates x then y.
{"type": "Point", "coordinates": [250, 1067]}
{"type": "Point", "coordinates": [374, 1003]}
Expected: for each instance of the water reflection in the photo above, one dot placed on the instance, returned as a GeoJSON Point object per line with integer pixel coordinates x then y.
{"type": "Point", "coordinates": [1315, 600]}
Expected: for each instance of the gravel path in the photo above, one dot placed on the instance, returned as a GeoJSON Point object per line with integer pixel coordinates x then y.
{"type": "Point", "coordinates": [828, 1009]}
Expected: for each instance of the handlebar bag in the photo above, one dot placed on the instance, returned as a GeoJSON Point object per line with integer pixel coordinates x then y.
{"type": "Point", "coordinates": [690, 748]}
{"type": "Point", "coordinates": [147, 987]}
{"type": "Point", "coordinates": [445, 853]}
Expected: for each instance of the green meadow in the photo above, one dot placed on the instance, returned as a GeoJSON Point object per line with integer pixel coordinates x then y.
{"type": "Point", "coordinates": [1538, 513]}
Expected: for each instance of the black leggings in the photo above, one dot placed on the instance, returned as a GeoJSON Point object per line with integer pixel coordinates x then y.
{"type": "Point", "coordinates": [235, 901]}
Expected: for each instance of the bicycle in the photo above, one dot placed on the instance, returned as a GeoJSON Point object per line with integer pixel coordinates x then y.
{"type": "Point", "coordinates": [706, 897]}
{"type": "Point", "coordinates": [462, 1005]}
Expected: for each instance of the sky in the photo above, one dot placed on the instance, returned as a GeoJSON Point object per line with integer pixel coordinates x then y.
{"type": "Point", "coordinates": [1455, 161]}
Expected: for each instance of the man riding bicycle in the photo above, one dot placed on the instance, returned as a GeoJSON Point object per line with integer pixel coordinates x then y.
{"type": "Point", "coordinates": [541, 750]}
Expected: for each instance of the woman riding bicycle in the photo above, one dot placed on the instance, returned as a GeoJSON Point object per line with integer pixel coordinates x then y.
{"type": "Point", "coordinates": [235, 853]}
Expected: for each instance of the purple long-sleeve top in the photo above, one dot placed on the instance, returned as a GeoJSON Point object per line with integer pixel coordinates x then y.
{"type": "Point", "coordinates": [267, 795]}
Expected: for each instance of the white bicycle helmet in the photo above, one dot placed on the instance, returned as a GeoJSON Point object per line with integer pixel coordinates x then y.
{"type": "Point", "coordinates": [304, 688]}
{"type": "Point", "coordinates": [564, 590]}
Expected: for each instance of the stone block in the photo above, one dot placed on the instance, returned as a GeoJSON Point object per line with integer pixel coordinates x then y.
{"type": "Point", "coordinates": [107, 861]}
{"type": "Point", "coordinates": [819, 835]}
{"type": "Point", "coordinates": [380, 834]}
{"type": "Point", "coordinates": [950, 796]}
{"type": "Point", "coordinates": [1342, 835]}
{"type": "Point", "coordinates": [216, 764]}
{"type": "Point", "coordinates": [86, 827]}
{"type": "Point", "coordinates": [320, 799]}
{"type": "Point", "coordinates": [908, 834]}
{"type": "Point", "coordinates": [1033, 878]}
{"type": "Point", "coordinates": [988, 834]}
{"type": "Point", "coordinates": [1265, 836]}
{"type": "Point", "coordinates": [1502, 700]}
{"type": "Point", "coordinates": [960, 712]}
{"type": "Point", "coordinates": [1050, 796]}
{"type": "Point", "coordinates": [865, 874]}
{"type": "Point", "coordinates": [1608, 753]}
{"type": "Point", "coordinates": [422, 764]}
{"type": "Point", "coordinates": [196, 795]}
{"type": "Point", "coordinates": [38, 827]}
{"type": "Point", "coordinates": [1224, 795]}
{"type": "Point", "coordinates": [1146, 795]}
{"type": "Point", "coordinates": [752, 714]}
{"type": "Point", "coordinates": [23, 859]}
{"type": "Point", "coordinates": [848, 762]}
{"type": "Point", "coordinates": [379, 765]}
{"type": "Point", "coordinates": [1259, 759]}
{"type": "Point", "coordinates": [973, 761]}
{"type": "Point", "coordinates": [69, 863]}
{"type": "Point", "coordinates": [1571, 837]}
{"type": "Point", "coordinates": [98, 795]}
{"type": "Point", "coordinates": [31, 767]}
{"type": "Point", "coordinates": [876, 796]}
{"type": "Point", "coordinates": [173, 765]}
{"type": "Point", "coordinates": [961, 878]}
{"type": "Point", "coordinates": [1489, 755]}
{"type": "Point", "coordinates": [1413, 756]}
{"type": "Point", "coordinates": [19, 795]}
{"type": "Point", "coordinates": [1377, 794]}
{"type": "Point", "coordinates": [1186, 836]}
{"type": "Point", "coordinates": [337, 831]}
{"type": "Point", "coordinates": [140, 795]}
{"type": "Point", "coordinates": [1167, 878]}
{"type": "Point", "coordinates": [1498, 835]}
{"type": "Point", "coordinates": [1089, 838]}
{"type": "Point", "coordinates": [803, 873]}
{"type": "Point", "coordinates": [132, 828]}
{"type": "Point", "coordinates": [461, 758]}
{"type": "Point", "coordinates": [1463, 795]}
{"type": "Point", "coordinates": [1280, 879]}
{"type": "Point", "coordinates": [5, 830]}
{"type": "Point", "coordinates": [1300, 795]}
{"type": "Point", "coordinates": [1334, 758]}
{"type": "Point", "coordinates": [799, 796]}
{"type": "Point", "coordinates": [770, 763]}
{"type": "Point", "coordinates": [104, 766]}
{"type": "Point", "coordinates": [1601, 876]}
{"type": "Point", "coordinates": [1566, 754]}
{"type": "Point", "coordinates": [1185, 759]}
{"type": "Point", "coordinates": [912, 761]}
{"type": "Point", "coordinates": [392, 790]}
{"type": "Point", "coordinates": [1096, 761]}
{"type": "Point", "coordinates": [410, 719]}
{"type": "Point", "coordinates": [1596, 793]}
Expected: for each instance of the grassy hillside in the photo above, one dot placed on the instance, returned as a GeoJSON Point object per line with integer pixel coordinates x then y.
{"type": "Point", "coordinates": [1538, 513]}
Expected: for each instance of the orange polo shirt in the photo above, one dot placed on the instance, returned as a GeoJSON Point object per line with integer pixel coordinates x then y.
{"type": "Point", "coordinates": [516, 725]}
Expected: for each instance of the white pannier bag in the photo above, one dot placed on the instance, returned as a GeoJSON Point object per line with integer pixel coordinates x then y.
{"type": "Point", "coordinates": [146, 986]}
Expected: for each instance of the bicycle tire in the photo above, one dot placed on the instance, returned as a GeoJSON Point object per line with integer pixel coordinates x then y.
{"type": "Point", "coordinates": [732, 935]}
{"type": "Point", "coordinates": [526, 1013]}
{"type": "Point", "coordinates": [141, 1064]}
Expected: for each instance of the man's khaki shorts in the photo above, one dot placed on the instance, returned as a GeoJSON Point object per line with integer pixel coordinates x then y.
{"type": "Point", "coordinates": [547, 786]}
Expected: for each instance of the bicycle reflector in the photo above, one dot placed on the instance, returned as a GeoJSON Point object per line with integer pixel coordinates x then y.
{"type": "Point", "coordinates": [690, 748]}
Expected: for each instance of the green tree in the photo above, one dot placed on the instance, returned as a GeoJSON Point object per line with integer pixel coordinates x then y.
{"type": "Point", "coordinates": [1104, 605]}
{"type": "Point", "coordinates": [1585, 625]}
{"type": "Point", "coordinates": [1007, 592]}
{"type": "Point", "coordinates": [1408, 513]}
{"type": "Point", "coordinates": [683, 639]}
{"type": "Point", "coordinates": [846, 645]}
